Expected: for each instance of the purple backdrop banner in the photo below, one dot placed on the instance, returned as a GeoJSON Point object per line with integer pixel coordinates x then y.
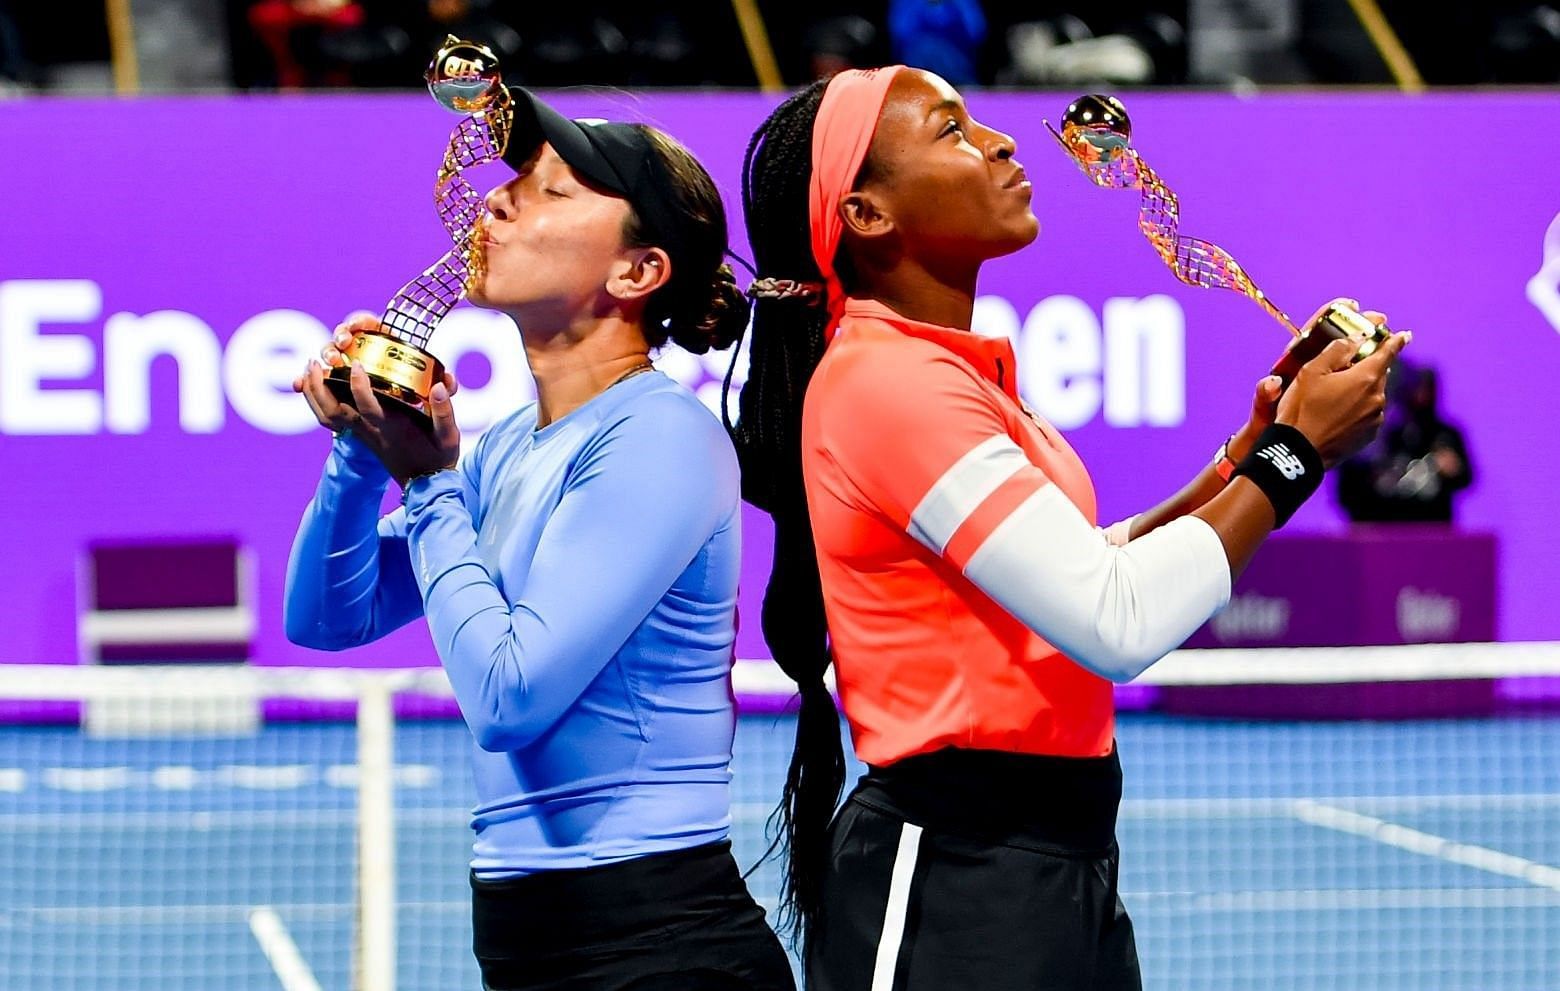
{"type": "Point", "coordinates": [167, 265]}
{"type": "Point", "coordinates": [1373, 585]}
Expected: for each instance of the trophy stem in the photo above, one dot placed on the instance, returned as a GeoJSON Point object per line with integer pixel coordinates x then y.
{"type": "Point", "coordinates": [418, 307]}
{"type": "Point", "coordinates": [1276, 313]}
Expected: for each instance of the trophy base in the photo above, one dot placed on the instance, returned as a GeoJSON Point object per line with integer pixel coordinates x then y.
{"type": "Point", "coordinates": [397, 372]}
{"type": "Point", "coordinates": [1337, 323]}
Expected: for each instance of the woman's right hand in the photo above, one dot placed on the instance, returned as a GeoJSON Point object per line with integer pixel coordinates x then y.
{"type": "Point", "coordinates": [1337, 405]}
{"type": "Point", "coordinates": [332, 413]}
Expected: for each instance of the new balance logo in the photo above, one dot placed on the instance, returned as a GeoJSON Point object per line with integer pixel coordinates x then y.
{"type": "Point", "coordinates": [1282, 458]}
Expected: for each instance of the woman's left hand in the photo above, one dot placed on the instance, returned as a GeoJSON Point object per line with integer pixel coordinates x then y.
{"type": "Point", "coordinates": [405, 447]}
{"type": "Point", "coordinates": [1264, 406]}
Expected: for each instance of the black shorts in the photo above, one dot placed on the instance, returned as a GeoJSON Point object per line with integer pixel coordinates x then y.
{"type": "Point", "coordinates": [978, 870]}
{"type": "Point", "coordinates": [681, 920]}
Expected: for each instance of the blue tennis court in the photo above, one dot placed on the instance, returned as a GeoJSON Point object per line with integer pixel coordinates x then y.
{"type": "Point", "coordinates": [1414, 855]}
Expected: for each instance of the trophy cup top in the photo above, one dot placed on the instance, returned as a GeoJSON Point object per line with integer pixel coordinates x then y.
{"type": "Point", "coordinates": [464, 76]}
{"type": "Point", "coordinates": [1096, 128]}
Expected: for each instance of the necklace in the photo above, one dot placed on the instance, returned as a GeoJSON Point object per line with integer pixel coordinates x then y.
{"type": "Point", "coordinates": [639, 369]}
{"type": "Point", "coordinates": [642, 367]}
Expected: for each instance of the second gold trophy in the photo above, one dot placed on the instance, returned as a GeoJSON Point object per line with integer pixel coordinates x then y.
{"type": "Point", "coordinates": [1097, 133]}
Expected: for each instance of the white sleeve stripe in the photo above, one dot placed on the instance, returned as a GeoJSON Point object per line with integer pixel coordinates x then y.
{"type": "Point", "coordinates": [1114, 610]}
{"type": "Point", "coordinates": [1119, 534]}
{"type": "Point", "coordinates": [963, 487]}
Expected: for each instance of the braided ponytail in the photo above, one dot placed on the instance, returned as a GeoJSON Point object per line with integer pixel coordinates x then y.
{"type": "Point", "coordinates": [787, 345]}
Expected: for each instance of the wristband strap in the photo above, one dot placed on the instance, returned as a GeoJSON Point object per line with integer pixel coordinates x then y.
{"type": "Point", "coordinates": [1223, 464]}
{"type": "Point", "coordinates": [1285, 466]}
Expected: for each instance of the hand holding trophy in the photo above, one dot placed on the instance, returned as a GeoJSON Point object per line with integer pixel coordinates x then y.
{"type": "Point", "coordinates": [463, 77]}
{"type": "Point", "coordinates": [1096, 132]}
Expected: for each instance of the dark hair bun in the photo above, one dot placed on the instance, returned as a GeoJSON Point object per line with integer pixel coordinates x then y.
{"type": "Point", "coordinates": [700, 308]}
{"type": "Point", "coordinates": [724, 319]}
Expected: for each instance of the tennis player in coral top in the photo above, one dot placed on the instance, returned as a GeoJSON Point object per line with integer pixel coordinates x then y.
{"type": "Point", "coordinates": [975, 613]}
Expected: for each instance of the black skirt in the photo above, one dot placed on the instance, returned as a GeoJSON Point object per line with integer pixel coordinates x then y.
{"type": "Point", "coordinates": [976, 869]}
{"type": "Point", "coordinates": [681, 920]}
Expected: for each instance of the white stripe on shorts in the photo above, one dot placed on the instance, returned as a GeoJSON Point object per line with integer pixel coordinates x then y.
{"type": "Point", "coordinates": [894, 913]}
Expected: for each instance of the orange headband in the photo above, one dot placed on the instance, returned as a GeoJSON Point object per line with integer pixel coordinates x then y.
{"type": "Point", "coordinates": [841, 135]}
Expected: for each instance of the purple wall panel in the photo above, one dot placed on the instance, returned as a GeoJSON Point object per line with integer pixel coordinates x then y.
{"type": "Point", "coordinates": [166, 574]}
{"type": "Point", "coordinates": [1373, 585]}
{"type": "Point", "coordinates": [233, 231]}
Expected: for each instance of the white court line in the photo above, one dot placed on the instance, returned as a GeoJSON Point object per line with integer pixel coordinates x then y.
{"type": "Point", "coordinates": [1283, 900]}
{"type": "Point", "coordinates": [1283, 808]}
{"type": "Point", "coordinates": [87, 779]}
{"type": "Point", "coordinates": [758, 812]}
{"type": "Point", "coordinates": [1427, 844]}
{"type": "Point", "coordinates": [278, 946]}
{"type": "Point", "coordinates": [203, 820]}
{"type": "Point", "coordinates": [1279, 900]}
{"type": "Point", "coordinates": [316, 913]}
{"type": "Point", "coordinates": [183, 777]}
{"type": "Point", "coordinates": [264, 777]}
{"type": "Point", "coordinates": [1269, 808]}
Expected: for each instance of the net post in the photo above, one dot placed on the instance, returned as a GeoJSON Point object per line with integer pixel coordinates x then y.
{"type": "Point", "coordinates": [374, 968]}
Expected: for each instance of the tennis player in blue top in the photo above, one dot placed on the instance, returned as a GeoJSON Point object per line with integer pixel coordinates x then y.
{"type": "Point", "coordinates": [577, 568]}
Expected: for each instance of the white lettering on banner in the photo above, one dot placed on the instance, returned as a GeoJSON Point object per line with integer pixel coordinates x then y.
{"type": "Point", "coordinates": [494, 337]}
{"type": "Point", "coordinates": [266, 353]}
{"type": "Point", "coordinates": [716, 364]}
{"type": "Point", "coordinates": [1132, 366]}
{"type": "Point", "coordinates": [994, 316]}
{"type": "Point", "coordinates": [1145, 362]}
{"type": "Point", "coordinates": [29, 358]}
{"type": "Point", "coordinates": [1426, 616]}
{"type": "Point", "coordinates": [1543, 289]}
{"type": "Point", "coordinates": [1135, 366]}
{"type": "Point", "coordinates": [1060, 355]}
{"type": "Point", "coordinates": [132, 343]}
{"type": "Point", "coordinates": [679, 365]}
{"type": "Point", "coordinates": [1252, 616]}
{"type": "Point", "coordinates": [704, 373]}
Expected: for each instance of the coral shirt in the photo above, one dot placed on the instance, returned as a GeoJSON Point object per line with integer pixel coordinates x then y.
{"type": "Point", "coordinates": [908, 435]}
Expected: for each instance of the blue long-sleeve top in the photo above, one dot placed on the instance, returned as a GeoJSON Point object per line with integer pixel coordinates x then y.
{"type": "Point", "coordinates": [580, 584]}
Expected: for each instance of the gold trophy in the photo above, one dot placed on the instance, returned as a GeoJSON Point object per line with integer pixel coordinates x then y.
{"type": "Point", "coordinates": [1097, 133]}
{"type": "Point", "coordinates": [463, 77]}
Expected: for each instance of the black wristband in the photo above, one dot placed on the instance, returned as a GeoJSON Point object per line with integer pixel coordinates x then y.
{"type": "Point", "coordinates": [1285, 466]}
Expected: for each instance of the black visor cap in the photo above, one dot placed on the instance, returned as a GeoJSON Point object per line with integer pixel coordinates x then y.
{"type": "Point", "coordinates": [613, 156]}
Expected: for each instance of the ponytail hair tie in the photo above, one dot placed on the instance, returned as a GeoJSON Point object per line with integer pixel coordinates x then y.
{"type": "Point", "coordinates": [810, 293]}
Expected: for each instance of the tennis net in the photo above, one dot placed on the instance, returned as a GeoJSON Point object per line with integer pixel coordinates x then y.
{"type": "Point", "coordinates": [1383, 818]}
